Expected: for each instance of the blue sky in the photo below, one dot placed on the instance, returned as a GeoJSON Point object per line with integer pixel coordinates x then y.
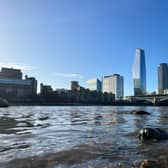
{"type": "Point", "coordinates": [62, 40]}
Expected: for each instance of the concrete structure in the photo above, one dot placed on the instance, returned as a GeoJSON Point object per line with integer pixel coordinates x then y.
{"type": "Point", "coordinates": [33, 85]}
{"type": "Point", "coordinates": [154, 99]}
{"type": "Point", "coordinates": [78, 94]}
{"type": "Point", "coordinates": [93, 84]}
{"type": "Point", "coordinates": [113, 84]}
{"type": "Point", "coordinates": [62, 90]}
{"type": "Point", "coordinates": [75, 86]}
{"type": "Point", "coordinates": [45, 89]}
{"type": "Point", "coordinates": [12, 86]}
{"type": "Point", "coordinates": [139, 73]}
{"type": "Point", "coordinates": [11, 73]}
{"type": "Point", "coordinates": [162, 78]}
{"type": "Point", "coordinates": [166, 91]}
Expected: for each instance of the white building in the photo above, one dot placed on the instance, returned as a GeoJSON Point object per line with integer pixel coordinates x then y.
{"type": "Point", "coordinates": [93, 84]}
{"type": "Point", "coordinates": [114, 84]}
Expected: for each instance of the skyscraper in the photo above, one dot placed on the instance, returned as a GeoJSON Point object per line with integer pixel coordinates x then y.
{"type": "Point", "coordinates": [114, 84]}
{"type": "Point", "coordinates": [139, 72]}
{"type": "Point", "coordinates": [162, 78]}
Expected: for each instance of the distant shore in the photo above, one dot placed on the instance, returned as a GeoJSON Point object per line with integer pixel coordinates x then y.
{"type": "Point", "coordinates": [79, 104]}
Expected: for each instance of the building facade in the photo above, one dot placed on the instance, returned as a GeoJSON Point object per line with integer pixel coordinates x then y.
{"type": "Point", "coordinates": [45, 89]}
{"type": "Point", "coordinates": [12, 86]}
{"type": "Point", "coordinates": [11, 73]}
{"type": "Point", "coordinates": [139, 73]}
{"type": "Point", "coordinates": [93, 84]}
{"type": "Point", "coordinates": [75, 86]}
{"type": "Point", "coordinates": [162, 78]}
{"type": "Point", "coordinates": [113, 84]}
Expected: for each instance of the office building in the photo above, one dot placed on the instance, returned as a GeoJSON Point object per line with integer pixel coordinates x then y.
{"type": "Point", "coordinates": [93, 84]}
{"type": "Point", "coordinates": [113, 84]}
{"type": "Point", "coordinates": [12, 86]}
{"type": "Point", "coordinates": [11, 73]}
{"type": "Point", "coordinates": [139, 73]}
{"type": "Point", "coordinates": [45, 89]}
{"type": "Point", "coordinates": [162, 78]}
{"type": "Point", "coordinates": [75, 86]}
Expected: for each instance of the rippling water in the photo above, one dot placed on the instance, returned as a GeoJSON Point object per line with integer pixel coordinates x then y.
{"type": "Point", "coordinates": [73, 137]}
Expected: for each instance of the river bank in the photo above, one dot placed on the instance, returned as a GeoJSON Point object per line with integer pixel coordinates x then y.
{"type": "Point", "coordinates": [39, 103]}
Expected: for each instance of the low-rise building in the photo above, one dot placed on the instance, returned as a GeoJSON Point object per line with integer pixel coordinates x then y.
{"type": "Point", "coordinates": [75, 86]}
{"type": "Point", "coordinates": [45, 89]}
{"type": "Point", "coordinates": [12, 86]}
{"type": "Point", "coordinates": [11, 73]}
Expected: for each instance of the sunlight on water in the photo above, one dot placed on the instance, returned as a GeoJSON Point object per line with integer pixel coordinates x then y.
{"type": "Point", "coordinates": [96, 136]}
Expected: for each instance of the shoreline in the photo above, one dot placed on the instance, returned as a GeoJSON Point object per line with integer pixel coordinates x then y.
{"type": "Point", "coordinates": [79, 104]}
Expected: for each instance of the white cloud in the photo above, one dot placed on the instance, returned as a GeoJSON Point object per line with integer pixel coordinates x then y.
{"type": "Point", "coordinates": [68, 75]}
{"type": "Point", "coordinates": [17, 66]}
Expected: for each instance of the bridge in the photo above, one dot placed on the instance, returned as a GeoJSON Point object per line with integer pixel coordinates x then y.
{"type": "Point", "coordinates": [154, 99]}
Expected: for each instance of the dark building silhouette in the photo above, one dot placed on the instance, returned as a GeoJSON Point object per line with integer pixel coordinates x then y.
{"type": "Point", "coordinates": [45, 89]}
{"type": "Point", "coordinates": [75, 86]}
{"type": "Point", "coordinates": [33, 82]}
{"type": "Point", "coordinates": [11, 73]}
{"type": "Point", "coordinates": [13, 87]}
{"type": "Point", "coordinates": [162, 78]}
{"type": "Point", "coordinates": [77, 94]}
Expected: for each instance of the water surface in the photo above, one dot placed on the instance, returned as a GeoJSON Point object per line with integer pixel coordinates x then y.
{"type": "Point", "coordinates": [73, 137]}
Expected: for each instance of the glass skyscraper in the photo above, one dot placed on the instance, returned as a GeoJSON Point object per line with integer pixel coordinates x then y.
{"type": "Point", "coordinates": [162, 78]}
{"type": "Point", "coordinates": [139, 72]}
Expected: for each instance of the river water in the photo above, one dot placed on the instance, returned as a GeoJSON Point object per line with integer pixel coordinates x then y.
{"type": "Point", "coordinates": [78, 136]}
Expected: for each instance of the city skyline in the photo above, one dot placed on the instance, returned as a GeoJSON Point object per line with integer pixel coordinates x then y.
{"type": "Point", "coordinates": [60, 41]}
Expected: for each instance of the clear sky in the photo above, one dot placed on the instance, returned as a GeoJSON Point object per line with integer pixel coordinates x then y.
{"type": "Point", "coordinates": [62, 40]}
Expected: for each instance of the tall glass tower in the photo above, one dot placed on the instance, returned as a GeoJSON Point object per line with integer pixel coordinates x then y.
{"type": "Point", "coordinates": [139, 72]}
